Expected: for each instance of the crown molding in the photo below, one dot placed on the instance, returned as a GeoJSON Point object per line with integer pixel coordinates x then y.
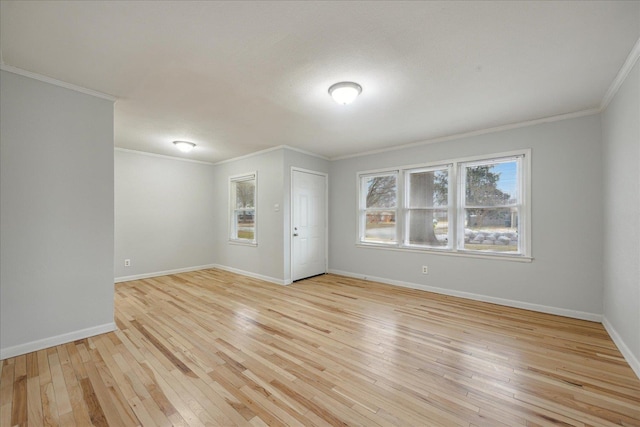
{"type": "Point", "coordinates": [257, 153]}
{"type": "Point", "coordinates": [308, 153]}
{"type": "Point", "coordinates": [268, 150]}
{"type": "Point", "coordinates": [40, 77]}
{"type": "Point", "coordinates": [161, 156]}
{"type": "Point", "coordinates": [246, 156]}
{"type": "Point", "coordinates": [550, 119]}
{"type": "Point", "coordinates": [622, 76]}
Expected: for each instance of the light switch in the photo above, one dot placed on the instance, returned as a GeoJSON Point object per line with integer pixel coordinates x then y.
{"type": "Point", "coordinates": [276, 207]}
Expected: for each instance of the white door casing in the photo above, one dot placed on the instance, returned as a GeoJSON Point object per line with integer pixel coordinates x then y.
{"type": "Point", "coordinates": [308, 223]}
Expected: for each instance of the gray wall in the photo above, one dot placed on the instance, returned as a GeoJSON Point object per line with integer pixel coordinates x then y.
{"type": "Point", "coordinates": [621, 158]}
{"type": "Point", "coordinates": [566, 274]}
{"type": "Point", "coordinates": [303, 161]}
{"type": "Point", "coordinates": [56, 215]}
{"type": "Point", "coordinates": [164, 210]}
{"type": "Point", "coordinates": [266, 259]}
{"type": "Point", "coordinates": [270, 259]}
{"type": "Point", "coordinates": [57, 224]}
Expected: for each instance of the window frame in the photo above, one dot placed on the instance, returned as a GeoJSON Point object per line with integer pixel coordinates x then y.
{"type": "Point", "coordinates": [233, 225]}
{"type": "Point", "coordinates": [362, 207]}
{"type": "Point", "coordinates": [462, 206]}
{"type": "Point", "coordinates": [407, 208]}
{"type": "Point", "coordinates": [456, 207]}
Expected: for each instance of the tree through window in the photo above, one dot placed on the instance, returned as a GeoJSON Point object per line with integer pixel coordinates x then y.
{"type": "Point", "coordinates": [427, 207]}
{"type": "Point", "coordinates": [378, 208]}
{"type": "Point", "coordinates": [243, 208]}
{"type": "Point", "coordinates": [470, 205]}
{"type": "Point", "coordinates": [491, 205]}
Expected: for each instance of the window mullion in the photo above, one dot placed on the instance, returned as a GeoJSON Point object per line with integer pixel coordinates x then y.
{"type": "Point", "coordinates": [402, 206]}
{"type": "Point", "coordinates": [461, 189]}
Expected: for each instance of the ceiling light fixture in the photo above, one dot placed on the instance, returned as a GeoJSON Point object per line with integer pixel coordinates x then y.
{"type": "Point", "coordinates": [345, 92]}
{"type": "Point", "coordinates": [184, 146]}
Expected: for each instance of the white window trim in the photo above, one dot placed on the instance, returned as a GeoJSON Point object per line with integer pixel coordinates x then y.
{"type": "Point", "coordinates": [231, 218]}
{"type": "Point", "coordinates": [455, 210]}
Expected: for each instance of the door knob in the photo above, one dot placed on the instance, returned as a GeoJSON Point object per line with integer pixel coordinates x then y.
{"type": "Point", "coordinates": [295, 234]}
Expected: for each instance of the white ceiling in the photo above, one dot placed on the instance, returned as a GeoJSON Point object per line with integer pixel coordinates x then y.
{"type": "Point", "coordinates": [238, 77]}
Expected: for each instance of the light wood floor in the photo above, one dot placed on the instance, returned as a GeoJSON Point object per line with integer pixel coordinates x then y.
{"type": "Point", "coordinates": [214, 348]}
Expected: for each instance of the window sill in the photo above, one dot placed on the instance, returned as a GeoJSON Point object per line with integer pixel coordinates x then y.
{"type": "Point", "coordinates": [241, 243]}
{"type": "Point", "coordinates": [465, 254]}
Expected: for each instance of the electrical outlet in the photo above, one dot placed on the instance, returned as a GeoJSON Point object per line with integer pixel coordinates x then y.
{"type": "Point", "coordinates": [127, 263]}
{"type": "Point", "coordinates": [425, 269]}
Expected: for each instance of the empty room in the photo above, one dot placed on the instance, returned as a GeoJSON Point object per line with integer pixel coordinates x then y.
{"type": "Point", "coordinates": [319, 213]}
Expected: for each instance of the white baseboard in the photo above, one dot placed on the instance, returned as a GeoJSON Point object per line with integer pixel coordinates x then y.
{"type": "Point", "coordinates": [478, 297]}
{"type": "Point", "coordinates": [631, 358]}
{"type": "Point", "coordinates": [163, 273]}
{"type": "Point", "coordinates": [202, 267]}
{"type": "Point", "coordinates": [29, 347]}
{"type": "Point", "coordinates": [251, 274]}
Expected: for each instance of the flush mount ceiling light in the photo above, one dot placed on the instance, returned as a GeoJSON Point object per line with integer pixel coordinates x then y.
{"type": "Point", "coordinates": [345, 92]}
{"type": "Point", "coordinates": [184, 146]}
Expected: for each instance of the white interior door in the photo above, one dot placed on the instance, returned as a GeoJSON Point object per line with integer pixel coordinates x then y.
{"type": "Point", "coordinates": [309, 224]}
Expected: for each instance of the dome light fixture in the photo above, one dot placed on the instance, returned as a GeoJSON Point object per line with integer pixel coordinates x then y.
{"type": "Point", "coordinates": [345, 92]}
{"type": "Point", "coordinates": [184, 146]}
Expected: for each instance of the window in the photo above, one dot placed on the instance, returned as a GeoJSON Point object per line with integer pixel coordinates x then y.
{"type": "Point", "coordinates": [469, 206]}
{"type": "Point", "coordinates": [491, 205]}
{"type": "Point", "coordinates": [242, 190]}
{"type": "Point", "coordinates": [379, 208]}
{"type": "Point", "coordinates": [427, 207]}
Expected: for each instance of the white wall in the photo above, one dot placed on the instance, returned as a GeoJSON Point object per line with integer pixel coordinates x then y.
{"type": "Point", "coordinates": [164, 215]}
{"type": "Point", "coordinates": [566, 275]}
{"type": "Point", "coordinates": [56, 215]}
{"type": "Point", "coordinates": [621, 158]}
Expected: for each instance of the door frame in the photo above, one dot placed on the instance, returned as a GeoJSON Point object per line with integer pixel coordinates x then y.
{"type": "Point", "coordinates": [326, 217]}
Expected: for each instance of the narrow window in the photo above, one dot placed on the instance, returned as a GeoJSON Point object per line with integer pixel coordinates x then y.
{"type": "Point", "coordinates": [379, 208]}
{"type": "Point", "coordinates": [427, 207]}
{"type": "Point", "coordinates": [243, 208]}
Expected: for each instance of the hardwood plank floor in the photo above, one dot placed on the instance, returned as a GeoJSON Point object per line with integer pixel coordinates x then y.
{"type": "Point", "coordinates": [218, 349]}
